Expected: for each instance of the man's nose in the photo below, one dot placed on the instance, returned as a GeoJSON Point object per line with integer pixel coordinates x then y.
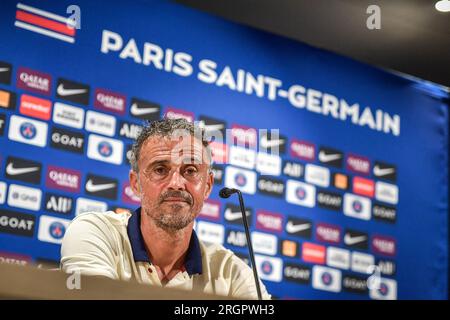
{"type": "Point", "coordinates": [177, 181]}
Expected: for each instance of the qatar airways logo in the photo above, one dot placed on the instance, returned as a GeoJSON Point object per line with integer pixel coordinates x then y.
{"type": "Point", "coordinates": [63, 179]}
{"type": "Point", "coordinates": [110, 101]}
{"type": "Point", "coordinates": [210, 210]}
{"type": "Point", "coordinates": [303, 150]}
{"type": "Point", "coordinates": [15, 259]}
{"type": "Point", "coordinates": [172, 113]}
{"type": "Point", "coordinates": [384, 245]}
{"type": "Point", "coordinates": [358, 164]}
{"type": "Point", "coordinates": [269, 221]}
{"type": "Point", "coordinates": [34, 81]}
{"type": "Point", "coordinates": [244, 136]}
{"type": "Point", "coordinates": [328, 233]}
{"type": "Point", "coordinates": [219, 152]}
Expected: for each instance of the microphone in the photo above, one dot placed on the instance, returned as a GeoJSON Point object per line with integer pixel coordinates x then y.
{"type": "Point", "coordinates": [226, 193]}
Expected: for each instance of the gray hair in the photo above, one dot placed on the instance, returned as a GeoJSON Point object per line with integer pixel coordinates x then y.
{"type": "Point", "coordinates": [166, 128]}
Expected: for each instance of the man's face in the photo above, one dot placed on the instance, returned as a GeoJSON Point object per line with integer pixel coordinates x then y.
{"type": "Point", "coordinates": [173, 180]}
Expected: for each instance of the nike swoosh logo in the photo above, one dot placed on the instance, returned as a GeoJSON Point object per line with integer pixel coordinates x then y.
{"type": "Point", "coordinates": [231, 216]}
{"type": "Point", "coordinates": [349, 240]}
{"type": "Point", "coordinates": [294, 228]}
{"type": "Point", "coordinates": [91, 187]}
{"type": "Point", "coordinates": [4, 69]}
{"type": "Point", "coordinates": [323, 157]}
{"type": "Point", "coordinates": [270, 143]}
{"type": "Point", "coordinates": [135, 110]}
{"type": "Point", "coordinates": [17, 171]}
{"type": "Point", "coordinates": [382, 172]}
{"type": "Point", "coordinates": [69, 92]}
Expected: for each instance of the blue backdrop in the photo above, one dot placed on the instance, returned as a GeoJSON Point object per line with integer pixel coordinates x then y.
{"type": "Point", "coordinates": [361, 177]}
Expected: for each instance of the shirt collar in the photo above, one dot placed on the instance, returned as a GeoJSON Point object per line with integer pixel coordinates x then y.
{"type": "Point", "coordinates": [193, 259]}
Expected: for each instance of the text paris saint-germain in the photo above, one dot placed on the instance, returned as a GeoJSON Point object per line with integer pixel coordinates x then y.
{"type": "Point", "coordinates": [312, 100]}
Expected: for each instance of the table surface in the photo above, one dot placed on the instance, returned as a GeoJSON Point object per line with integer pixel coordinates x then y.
{"type": "Point", "coordinates": [29, 282]}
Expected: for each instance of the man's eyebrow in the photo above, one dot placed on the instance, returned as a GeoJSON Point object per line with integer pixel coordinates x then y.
{"type": "Point", "coordinates": [191, 161]}
{"type": "Point", "coordinates": [158, 162]}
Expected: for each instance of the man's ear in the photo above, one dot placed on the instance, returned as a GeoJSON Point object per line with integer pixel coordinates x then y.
{"type": "Point", "coordinates": [134, 183]}
{"type": "Point", "coordinates": [209, 185]}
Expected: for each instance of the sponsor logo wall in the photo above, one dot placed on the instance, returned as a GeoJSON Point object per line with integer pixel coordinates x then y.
{"type": "Point", "coordinates": [326, 200]}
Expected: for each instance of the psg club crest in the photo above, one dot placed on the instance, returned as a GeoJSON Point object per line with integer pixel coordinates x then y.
{"type": "Point", "coordinates": [28, 130]}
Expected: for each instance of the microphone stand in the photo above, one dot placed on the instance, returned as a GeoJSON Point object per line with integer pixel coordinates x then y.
{"type": "Point", "coordinates": [250, 246]}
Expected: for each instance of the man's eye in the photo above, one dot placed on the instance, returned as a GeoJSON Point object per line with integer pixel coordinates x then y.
{"type": "Point", "coordinates": [191, 171]}
{"type": "Point", "coordinates": [160, 170]}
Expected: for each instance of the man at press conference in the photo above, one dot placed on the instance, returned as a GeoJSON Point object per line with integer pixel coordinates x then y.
{"type": "Point", "coordinates": [171, 174]}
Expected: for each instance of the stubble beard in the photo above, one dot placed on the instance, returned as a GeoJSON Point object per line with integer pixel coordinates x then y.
{"type": "Point", "coordinates": [172, 219]}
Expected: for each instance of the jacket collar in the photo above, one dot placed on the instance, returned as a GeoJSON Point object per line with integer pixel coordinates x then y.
{"type": "Point", "coordinates": [193, 259]}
